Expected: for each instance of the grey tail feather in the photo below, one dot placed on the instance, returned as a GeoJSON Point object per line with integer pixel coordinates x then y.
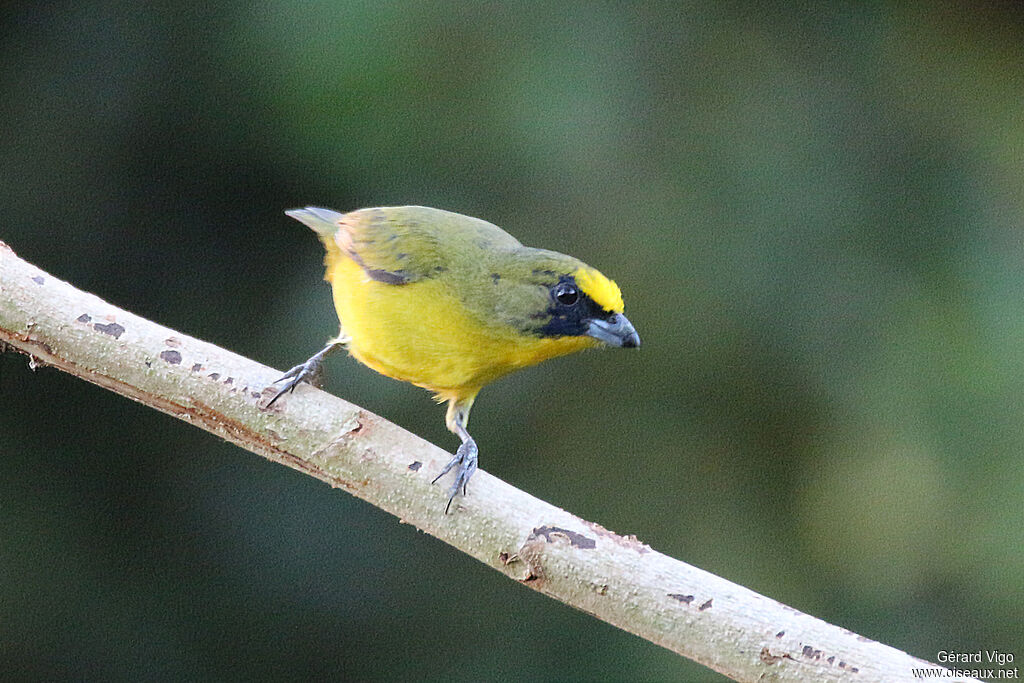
{"type": "Point", "coordinates": [324, 222]}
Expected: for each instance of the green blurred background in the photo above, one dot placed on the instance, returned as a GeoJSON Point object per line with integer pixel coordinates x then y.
{"type": "Point", "coordinates": [815, 214]}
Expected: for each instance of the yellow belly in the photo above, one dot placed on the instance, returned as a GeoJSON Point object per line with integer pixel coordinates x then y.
{"type": "Point", "coordinates": [421, 333]}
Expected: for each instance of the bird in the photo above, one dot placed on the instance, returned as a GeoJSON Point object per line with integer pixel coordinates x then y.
{"type": "Point", "coordinates": [451, 303]}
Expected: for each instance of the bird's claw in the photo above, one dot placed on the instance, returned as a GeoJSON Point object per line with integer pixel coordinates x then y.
{"type": "Point", "coordinates": [466, 458]}
{"type": "Point", "coordinates": [310, 372]}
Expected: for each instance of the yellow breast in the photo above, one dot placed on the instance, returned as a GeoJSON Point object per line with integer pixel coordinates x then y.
{"type": "Point", "coordinates": [420, 332]}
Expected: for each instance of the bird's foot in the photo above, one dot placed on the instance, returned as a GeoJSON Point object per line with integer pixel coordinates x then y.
{"type": "Point", "coordinates": [466, 458]}
{"type": "Point", "coordinates": [311, 372]}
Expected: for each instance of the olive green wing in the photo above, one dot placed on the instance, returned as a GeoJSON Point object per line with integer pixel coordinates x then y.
{"type": "Point", "coordinates": [403, 244]}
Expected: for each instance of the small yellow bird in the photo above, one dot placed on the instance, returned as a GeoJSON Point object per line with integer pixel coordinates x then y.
{"type": "Point", "coordinates": [451, 303]}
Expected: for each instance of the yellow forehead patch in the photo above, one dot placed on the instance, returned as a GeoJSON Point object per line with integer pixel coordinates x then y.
{"type": "Point", "coordinates": [603, 291]}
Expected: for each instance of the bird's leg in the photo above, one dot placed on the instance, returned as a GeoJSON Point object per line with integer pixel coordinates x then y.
{"type": "Point", "coordinates": [466, 456]}
{"type": "Point", "coordinates": [311, 371]}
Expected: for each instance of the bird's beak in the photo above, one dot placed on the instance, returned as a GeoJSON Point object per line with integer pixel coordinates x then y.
{"type": "Point", "coordinates": [615, 331]}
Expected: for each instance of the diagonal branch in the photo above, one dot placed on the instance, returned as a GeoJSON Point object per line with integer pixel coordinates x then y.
{"type": "Point", "coordinates": [615, 578]}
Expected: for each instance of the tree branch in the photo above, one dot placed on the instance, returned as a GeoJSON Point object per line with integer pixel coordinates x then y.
{"type": "Point", "coordinates": [616, 578]}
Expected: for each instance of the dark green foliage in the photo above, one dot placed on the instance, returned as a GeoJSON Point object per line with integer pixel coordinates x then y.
{"type": "Point", "coordinates": [814, 213]}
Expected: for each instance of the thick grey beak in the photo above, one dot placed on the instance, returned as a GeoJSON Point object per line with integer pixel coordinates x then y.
{"type": "Point", "coordinates": [615, 331]}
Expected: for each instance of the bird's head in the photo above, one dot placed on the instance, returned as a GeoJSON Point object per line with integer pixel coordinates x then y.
{"type": "Point", "coordinates": [559, 296]}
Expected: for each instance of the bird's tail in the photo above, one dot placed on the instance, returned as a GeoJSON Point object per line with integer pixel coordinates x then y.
{"type": "Point", "coordinates": [325, 223]}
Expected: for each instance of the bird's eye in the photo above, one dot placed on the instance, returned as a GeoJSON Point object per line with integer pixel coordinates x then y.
{"type": "Point", "coordinates": [566, 294]}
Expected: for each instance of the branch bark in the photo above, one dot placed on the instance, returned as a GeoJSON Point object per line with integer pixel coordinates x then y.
{"type": "Point", "coordinates": [616, 578]}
